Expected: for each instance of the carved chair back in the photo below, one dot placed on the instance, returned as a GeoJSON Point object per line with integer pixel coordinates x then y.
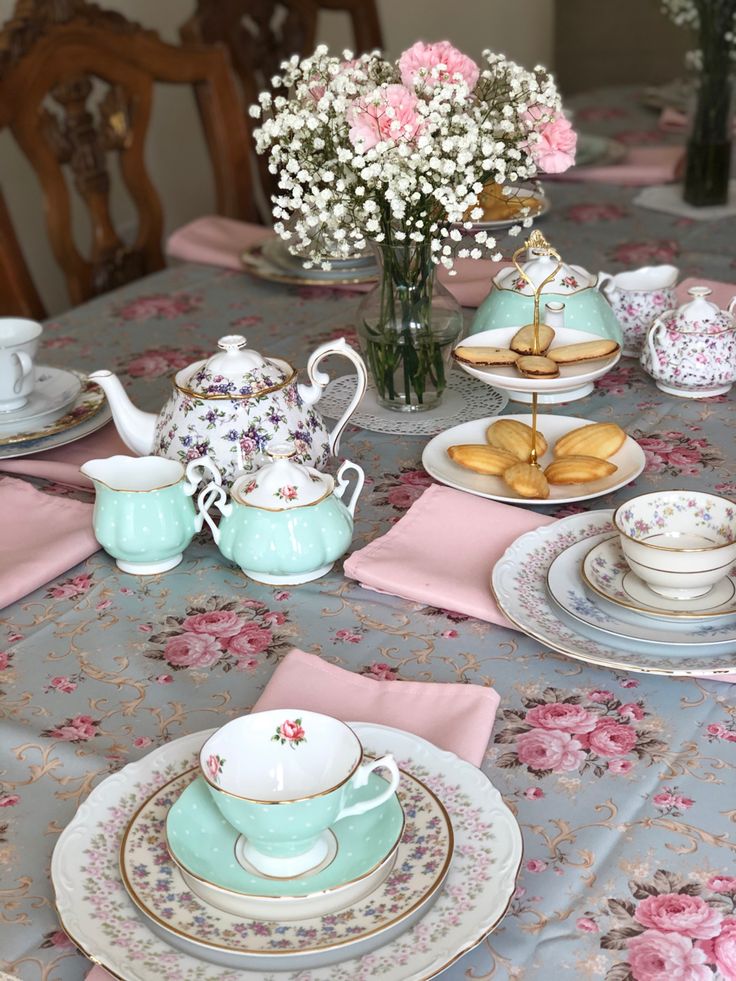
{"type": "Point", "coordinates": [260, 34]}
{"type": "Point", "coordinates": [55, 55]}
{"type": "Point", "coordinates": [18, 295]}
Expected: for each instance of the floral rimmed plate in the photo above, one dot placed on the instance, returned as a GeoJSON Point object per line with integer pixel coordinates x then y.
{"type": "Point", "coordinates": [55, 389]}
{"type": "Point", "coordinates": [256, 263]}
{"type": "Point", "coordinates": [519, 584]}
{"type": "Point", "coordinates": [208, 852]}
{"type": "Point", "coordinates": [606, 572]}
{"type": "Point", "coordinates": [88, 414]}
{"type": "Point", "coordinates": [97, 913]}
{"type": "Point", "coordinates": [567, 590]}
{"type": "Point", "coordinates": [231, 940]}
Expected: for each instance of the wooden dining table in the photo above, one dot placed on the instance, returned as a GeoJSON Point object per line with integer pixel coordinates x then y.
{"type": "Point", "coordinates": [632, 839]}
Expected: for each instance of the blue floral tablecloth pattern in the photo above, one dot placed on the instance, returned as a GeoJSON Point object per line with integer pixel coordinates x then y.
{"type": "Point", "coordinates": [622, 784]}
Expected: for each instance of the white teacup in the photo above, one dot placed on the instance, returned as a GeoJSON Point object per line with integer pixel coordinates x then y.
{"type": "Point", "coordinates": [18, 345]}
{"type": "Point", "coordinates": [282, 777]}
{"type": "Point", "coordinates": [637, 297]}
{"type": "Point", "coordinates": [681, 543]}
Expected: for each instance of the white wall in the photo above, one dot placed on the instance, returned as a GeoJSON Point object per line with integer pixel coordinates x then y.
{"type": "Point", "coordinates": [175, 152]}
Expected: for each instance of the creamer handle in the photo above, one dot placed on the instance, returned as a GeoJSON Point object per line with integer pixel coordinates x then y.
{"type": "Point", "coordinates": [342, 484]}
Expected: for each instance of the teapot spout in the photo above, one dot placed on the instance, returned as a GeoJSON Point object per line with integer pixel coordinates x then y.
{"type": "Point", "coordinates": [136, 428]}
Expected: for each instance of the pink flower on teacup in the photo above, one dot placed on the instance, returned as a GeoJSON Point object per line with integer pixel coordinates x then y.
{"type": "Point", "coordinates": [290, 731]}
{"type": "Point", "coordinates": [214, 766]}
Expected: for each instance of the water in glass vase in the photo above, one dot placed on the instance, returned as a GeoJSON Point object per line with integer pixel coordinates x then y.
{"type": "Point", "coordinates": [407, 326]}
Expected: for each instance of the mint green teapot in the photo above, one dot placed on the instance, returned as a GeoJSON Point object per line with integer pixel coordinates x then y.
{"type": "Point", "coordinates": [286, 523]}
{"type": "Point", "coordinates": [511, 300]}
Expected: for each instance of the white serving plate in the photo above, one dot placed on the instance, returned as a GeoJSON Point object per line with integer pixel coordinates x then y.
{"type": "Point", "coordinates": [55, 390]}
{"type": "Point", "coordinates": [574, 380]}
{"type": "Point", "coordinates": [519, 584]}
{"type": "Point", "coordinates": [89, 413]}
{"type": "Point", "coordinates": [501, 223]}
{"type": "Point", "coordinates": [277, 251]}
{"type": "Point", "coordinates": [629, 459]}
{"type": "Point", "coordinates": [258, 265]}
{"type": "Point", "coordinates": [566, 588]}
{"type": "Point", "coordinates": [99, 916]}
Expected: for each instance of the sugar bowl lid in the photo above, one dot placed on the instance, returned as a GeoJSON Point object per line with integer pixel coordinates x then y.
{"type": "Point", "coordinates": [233, 372]}
{"type": "Point", "coordinates": [282, 483]}
{"type": "Point", "coordinates": [699, 315]}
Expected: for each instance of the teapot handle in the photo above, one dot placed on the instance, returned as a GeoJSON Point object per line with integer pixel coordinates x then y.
{"type": "Point", "coordinates": [311, 393]}
{"type": "Point", "coordinates": [342, 484]}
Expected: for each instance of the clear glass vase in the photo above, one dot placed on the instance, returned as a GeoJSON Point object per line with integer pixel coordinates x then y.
{"type": "Point", "coordinates": [708, 161]}
{"type": "Point", "coordinates": [407, 325]}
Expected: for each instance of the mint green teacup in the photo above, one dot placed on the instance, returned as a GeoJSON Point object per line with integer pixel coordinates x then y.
{"type": "Point", "coordinates": [281, 778]}
{"type": "Point", "coordinates": [144, 514]}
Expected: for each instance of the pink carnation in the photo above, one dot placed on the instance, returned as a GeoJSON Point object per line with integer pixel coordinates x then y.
{"type": "Point", "coordinates": [655, 956]}
{"type": "Point", "coordinates": [554, 149]}
{"type": "Point", "coordinates": [611, 738]}
{"type": "Point", "coordinates": [416, 65]}
{"type": "Point", "coordinates": [562, 716]}
{"type": "Point", "coordinates": [548, 749]}
{"type": "Point", "coordinates": [189, 650]}
{"type": "Point", "coordinates": [721, 950]}
{"type": "Point", "coordinates": [387, 114]}
{"type": "Point", "coordinates": [675, 912]}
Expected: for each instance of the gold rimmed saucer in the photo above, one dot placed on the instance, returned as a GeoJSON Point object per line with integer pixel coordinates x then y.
{"type": "Point", "coordinates": [255, 263]}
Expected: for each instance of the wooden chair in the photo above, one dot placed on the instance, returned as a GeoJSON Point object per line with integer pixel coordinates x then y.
{"type": "Point", "coordinates": [260, 34]}
{"type": "Point", "coordinates": [18, 295]}
{"type": "Point", "coordinates": [53, 56]}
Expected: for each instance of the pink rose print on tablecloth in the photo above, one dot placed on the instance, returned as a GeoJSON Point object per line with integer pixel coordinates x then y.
{"type": "Point", "coordinates": [671, 802]}
{"type": "Point", "coordinates": [557, 733]}
{"type": "Point", "coordinates": [6, 659]}
{"type": "Point", "coordinates": [675, 453]}
{"type": "Point", "coordinates": [78, 729]}
{"type": "Point", "coordinates": [58, 939]}
{"type": "Point", "coordinates": [219, 632]}
{"type": "Point", "coordinates": [722, 883]}
{"type": "Point", "coordinates": [71, 588]}
{"type": "Point", "coordinates": [158, 306]}
{"type": "Point", "coordinates": [380, 671]}
{"type": "Point", "coordinates": [674, 930]}
{"type": "Point", "coordinates": [400, 490]}
{"type": "Point", "coordinates": [159, 361]}
{"type": "Point", "coordinates": [290, 731]}
{"type": "Point", "coordinates": [585, 214]}
{"type": "Point", "coordinates": [9, 800]}
{"type": "Point", "coordinates": [631, 254]}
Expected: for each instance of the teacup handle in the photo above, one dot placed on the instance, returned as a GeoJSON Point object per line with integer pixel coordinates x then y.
{"type": "Point", "coordinates": [360, 779]}
{"type": "Point", "coordinates": [25, 363]}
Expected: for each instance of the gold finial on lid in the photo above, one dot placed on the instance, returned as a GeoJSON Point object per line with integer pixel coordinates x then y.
{"type": "Point", "coordinates": [537, 241]}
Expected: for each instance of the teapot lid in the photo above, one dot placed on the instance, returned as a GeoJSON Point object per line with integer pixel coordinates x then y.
{"type": "Point", "coordinates": [233, 372]}
{"type": "Point", "coordinates": [699, 315]}
{"type": "Point", "coordinates": [538, 266]}
{"type": "Point", "coordinates": [282, 483]}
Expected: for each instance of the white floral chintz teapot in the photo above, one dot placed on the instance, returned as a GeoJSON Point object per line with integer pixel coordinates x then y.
{"type": "Point", "coordinates": [230, 406]}
{"type": "Point", "coordinates": [691, 351]}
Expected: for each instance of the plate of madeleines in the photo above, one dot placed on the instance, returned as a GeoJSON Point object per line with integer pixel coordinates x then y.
{"type": "Point", "coordinates": [576, 459]}
{"type": "Point", "coordinates": [566, 360]}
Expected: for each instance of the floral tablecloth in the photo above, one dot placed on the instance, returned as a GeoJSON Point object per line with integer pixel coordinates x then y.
{"type": "Point", "coordinates": [623, 784]}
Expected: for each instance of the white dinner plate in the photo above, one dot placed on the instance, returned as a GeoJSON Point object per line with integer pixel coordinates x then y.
{"type": "Point", "coordinates": [519, 584]}
{"type": "Point", "coordinates": [277, 251]}
{"type": "Point", "coordinates": [258, 265]}
{"type": "Point", "coordinates": [567, 590]}
{"type": "Point", "coordinates": [55, 390]}
{"type": "Point", "coordinates": [629, 461]}
{"type": "Point", "coordinates": [99, 916]}
{"type": "Point", "coordinates": [577, 378]}
{"type": "Point", "coordinates": [88, 413]}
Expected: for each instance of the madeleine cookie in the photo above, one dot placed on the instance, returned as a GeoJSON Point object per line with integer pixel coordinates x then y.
{"type": "Point", "coordinates": [537, 366]}
{"type": "Point", "coordinates": [523, 340]}
{"type": "Point", "coordinates": [481, 458]}
{"type": "Point", "coordinates": [485, 356]}
{"type": "Point", "coordinates": [598, 439]}
{"type": "Point", "coordinates": [515, 437]}
{"type": "Point", "coordinates": [587, 351]}
{"type": "Point", "coordinates": [527, 481]}
{"type": "Point", "coordinates": [578, 470]}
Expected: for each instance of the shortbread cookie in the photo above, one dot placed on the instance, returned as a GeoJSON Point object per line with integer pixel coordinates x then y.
{"type": "Point", "coordinates": [587, 351]}
{"type": "Point", "coordinates": [523, 340]}
{"type": "Point", "coordinates": [484, 356]}
{"type": "Point", "coordinates": [537, 366]}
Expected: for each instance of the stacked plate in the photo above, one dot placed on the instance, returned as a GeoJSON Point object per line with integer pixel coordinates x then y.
{"type": "Point", "coordinates": [273, 261]}
{"type": "Point", "coordinates": [63, 407]}
{"type": "Point", "coordinates": [152, 883]}
{"type": "Point", "coordinates": [569, 586]}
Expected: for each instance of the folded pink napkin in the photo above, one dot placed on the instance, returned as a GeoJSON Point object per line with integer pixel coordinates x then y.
{"type": "Point", "coordinates": [40, 537]}
{"type": "Point", "coordinates": [442, 551]}
{"type": "Point", "coordinates": [62, 464]}
{"type": "Point", "coordinates": [721, 295]}
{"type": "Point", "coordinates": [642, 167]}
{"type": "Point", "coordinates": [455, 717]}
{"type": "Point", "coordinates": [217, 241]}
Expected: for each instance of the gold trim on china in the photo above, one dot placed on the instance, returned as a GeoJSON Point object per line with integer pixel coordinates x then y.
{"type": "Point", "coordinates": [61, 425]}
{"type": "Point", "coordinates": [206, 397]}
{"type": "Point", "coordinates": [82, 949]}
{"type": "Point", "coordinates": [253, 264]}
{"type": "Point", "coordinates": [646, 610]}
{"type": "Point", "coordinates": [294, 507]}
{"type": "Point", "coordinates": [670, 548]}
{"type": "Point", "coordinates": [134, 490]}
{"type": "Point", "coordinates": [429, 891]}
{"type": "Point", "coordinates": [293, 800]}
{"type": "Point", "coordinates": [310, 895]}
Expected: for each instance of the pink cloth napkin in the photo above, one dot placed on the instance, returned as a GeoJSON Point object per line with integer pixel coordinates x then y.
{"type": "Point", "coordinates": [721, 295]}
{"type": "Point", "coordinates": [217, 241]}
{"type": "Point", "coordinates": [40, 537]}
{"type": "Point", "coordinates": [455, 717]}
{"type": "Point", "coordinates": [442, 551]}
{"type": "Point", "coordinates": [62, 465]}
{"type": "Point", "coordinates": [642, 167]}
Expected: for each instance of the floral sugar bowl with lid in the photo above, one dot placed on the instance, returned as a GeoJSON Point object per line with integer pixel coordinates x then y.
{"type": "Point", "coordinates": [286, 523]}
{"type": "Point", "coordinates": [230, 406]}
{"type": "Point", "coordinates": [691, 351]}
